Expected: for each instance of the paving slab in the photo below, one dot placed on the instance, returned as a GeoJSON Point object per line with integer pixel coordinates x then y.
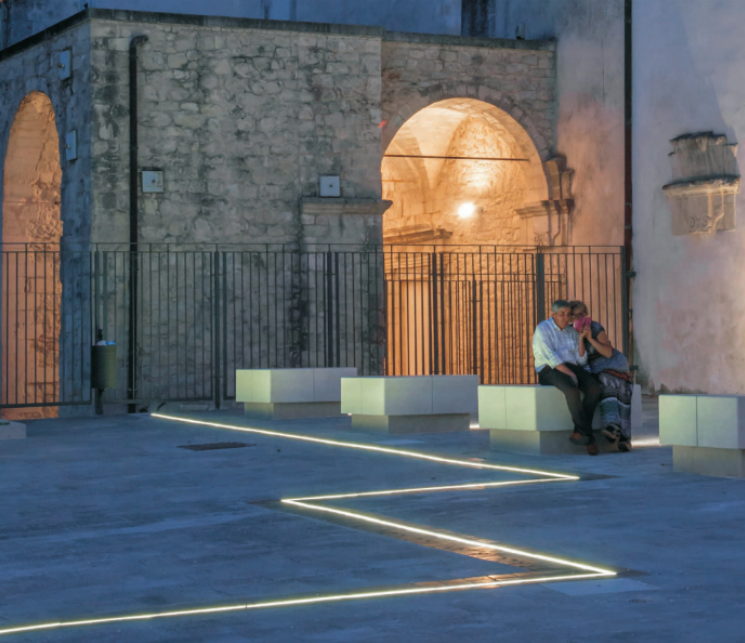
{"type": "Point", "coordinates": [108, 516]}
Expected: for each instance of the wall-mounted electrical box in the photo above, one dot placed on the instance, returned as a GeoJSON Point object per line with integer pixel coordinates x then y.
{"type": "Point", "coordinates": [330, 186]}
{"type": "Point", "coordinates": [152, 181]}
{"type": "Point", "coordinates": [64, 64]}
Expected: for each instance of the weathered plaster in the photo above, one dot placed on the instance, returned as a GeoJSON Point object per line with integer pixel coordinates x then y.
{"type": "Point", "coordinates": [687, 296]}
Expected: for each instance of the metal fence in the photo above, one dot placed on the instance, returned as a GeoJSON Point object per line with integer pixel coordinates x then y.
{"type": "Point", "coordinates": [184, 320]}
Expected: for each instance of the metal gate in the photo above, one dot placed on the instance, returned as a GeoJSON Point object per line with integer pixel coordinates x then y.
{"type": "Point", "coordinates": [184, 320]}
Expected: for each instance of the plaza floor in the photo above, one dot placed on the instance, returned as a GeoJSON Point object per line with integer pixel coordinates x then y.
{"type": "Point", "coordinates": [111, 517]}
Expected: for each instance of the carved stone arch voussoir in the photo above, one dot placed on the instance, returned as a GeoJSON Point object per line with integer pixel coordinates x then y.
{"type": "Point", "coordinates": [398, 112]}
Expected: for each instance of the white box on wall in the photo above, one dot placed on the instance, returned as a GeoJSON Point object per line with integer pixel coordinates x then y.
{"type": "Point", "coordinates": [330, 186]}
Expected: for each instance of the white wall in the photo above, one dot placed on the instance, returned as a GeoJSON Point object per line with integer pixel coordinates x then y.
{"type": "Point", "coordinates": [689, 293]}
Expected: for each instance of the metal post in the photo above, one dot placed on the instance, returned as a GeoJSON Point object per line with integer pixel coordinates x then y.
{"type": "Point", "coordinates": [329, 312]}
{"type": "Point", "coordinates": [540, 287]}
{"type": "Point", "coordinates": [625, 312]}
{"type": "Point", "coordinates": [216, 329]}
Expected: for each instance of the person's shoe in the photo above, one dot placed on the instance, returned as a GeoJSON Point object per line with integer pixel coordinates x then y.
{"type": "Point", "coordinates": [611, 434]}
{"type": "Point", "coordinates": [624, 444]}
{"type": "Point", "coordinates": [592, 449]}
{"type": "Point", "coordinates": [579, 439]}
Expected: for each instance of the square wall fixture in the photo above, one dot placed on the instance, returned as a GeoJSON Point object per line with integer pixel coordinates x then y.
{"type": "Point", "coordinates": [152, 181]}
{"type": "Point", "coordinates": [330, 186]}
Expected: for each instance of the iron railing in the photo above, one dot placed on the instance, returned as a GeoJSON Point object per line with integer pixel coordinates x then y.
{"type": "Point", "coordinates": [185, 319]}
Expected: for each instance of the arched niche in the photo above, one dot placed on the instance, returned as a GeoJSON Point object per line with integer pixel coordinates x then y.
{"type": "Point", "coordinates": [428, 173]}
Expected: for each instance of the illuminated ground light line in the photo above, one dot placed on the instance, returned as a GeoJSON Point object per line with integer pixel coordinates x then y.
{"type": "Point", "coordinates": [464, 541]}
{"type": "Point", "coordinates": [331, 598]}
{"type": "Point", "coordinates": [366, 447]}
{"type": "Point", "coordinates": [455, 487]}
{"type": "Point", "coordinates": [594, 572]}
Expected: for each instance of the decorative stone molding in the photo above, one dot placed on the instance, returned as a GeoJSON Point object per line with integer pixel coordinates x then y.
{"type": "Point", "coordinates": [706, 181]}
{"type": "Point", "coordinates": [335, 206]}
{"type": "Point", "coordinates": [415, 234]}
{"type": "Point", "coordinates": [547, 221]}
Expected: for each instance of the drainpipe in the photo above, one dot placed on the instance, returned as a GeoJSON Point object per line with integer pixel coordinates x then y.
{"type": "Point", "coordinates": [134, 231]}
{"type": "Point", "coordinates": [628, 170]}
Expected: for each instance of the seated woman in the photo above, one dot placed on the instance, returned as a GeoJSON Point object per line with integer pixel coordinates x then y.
{"type": "Point", "coordinates": [612, 370]}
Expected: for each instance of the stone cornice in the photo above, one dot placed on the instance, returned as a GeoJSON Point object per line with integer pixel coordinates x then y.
{"type": "Point", "coordinates": [343, 206]}
{"type": "Point", "coordinates": [544, 208]}
{"type": "Point", "coordinates": [724, 184]}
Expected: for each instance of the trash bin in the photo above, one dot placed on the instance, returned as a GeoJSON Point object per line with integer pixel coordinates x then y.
{"type": "Point", "coordinates": [103, 366]}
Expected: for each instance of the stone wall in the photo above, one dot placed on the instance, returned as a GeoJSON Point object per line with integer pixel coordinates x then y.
{"type": "Point", "coordinates": [242, 121]}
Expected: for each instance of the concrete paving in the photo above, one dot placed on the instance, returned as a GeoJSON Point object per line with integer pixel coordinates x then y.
{"type": "Point", "coordinates": [108, 517]}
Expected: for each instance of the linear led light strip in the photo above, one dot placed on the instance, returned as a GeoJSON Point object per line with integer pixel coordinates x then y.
{"type": "Point", "coordinates": [594, 572]}
{"type": "Point", "coordinates": [286, 603]}
{"type": "Point", "coordinates": [367, 447]}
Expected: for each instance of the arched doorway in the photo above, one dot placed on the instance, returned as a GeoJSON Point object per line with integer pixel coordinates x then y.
{"type": "Point", "coordinates": [460, 286]}
{"type": "Point", "coordinates": [31, 286]}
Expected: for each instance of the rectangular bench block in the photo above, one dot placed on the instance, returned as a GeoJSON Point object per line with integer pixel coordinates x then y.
{"type": "Point", "coordinates": [537, 408]}
{"type": "Point", "coordinates": [709, 461]}
{"type": "Point", "coordinates": [540, 442]}
{"type": "Point", "coordinates": [291, 411]}
{"type": "Point", "coordinates": [455, 394]}
{"type": "Point", "coordinates": [290, 385]}
{"type": "Point", "coordinates": [707, 421]}
{"type": "Point", "coordinates": [720, 421]}
{"type": "Point", "coordinates": [678, 420]}
{"type": "Point", "coordinates": [407, 424]}
{"type": "Point", "coordinates": [12, 431]}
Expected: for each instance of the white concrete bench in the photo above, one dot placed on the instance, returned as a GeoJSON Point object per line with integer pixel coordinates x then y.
{"type": "Point", "coordinates": [535, 420]}
{"type": "Point", "coordinates": [707, 433]}
{"type": "Point", "coordinates": [12, 430]}
{"type": "Point", "coordinates": [419, 404]}
{"type": "Point", "coordinates": [291, 393]}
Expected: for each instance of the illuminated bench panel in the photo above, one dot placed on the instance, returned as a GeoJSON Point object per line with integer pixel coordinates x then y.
{"type": "Point", "coordinates": [291, 393]}
{"type": "Point", "coordinates": [707, 433]}
{"type": "Point", "coordinates": [535, 420]}
{"type": "Point", "coordinates": [419, 404]}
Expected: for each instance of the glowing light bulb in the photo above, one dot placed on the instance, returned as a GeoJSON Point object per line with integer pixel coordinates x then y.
{"type": "Point", "coordinates": [466, 211]}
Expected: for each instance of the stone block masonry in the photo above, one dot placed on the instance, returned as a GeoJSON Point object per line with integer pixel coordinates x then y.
{"type": "Point", "coordinates": [243, 122]}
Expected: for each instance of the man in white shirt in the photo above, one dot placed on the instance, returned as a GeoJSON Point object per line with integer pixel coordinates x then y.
{"type": "Point", "coordinates": [559, 360]}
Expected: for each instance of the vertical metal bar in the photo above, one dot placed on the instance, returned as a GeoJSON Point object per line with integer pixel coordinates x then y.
{"type": "Point", "coordinates": [540, 287]}
{"type": "Point", "coordinates": [216, 303]}
{"type": "Point", "coordinates": [625, 312]}
{"type": "Point", "coordinates": [337, 321]}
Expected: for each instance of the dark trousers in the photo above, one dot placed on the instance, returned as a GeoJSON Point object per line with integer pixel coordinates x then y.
{"type": "Point", "coordinates": [581, 410]}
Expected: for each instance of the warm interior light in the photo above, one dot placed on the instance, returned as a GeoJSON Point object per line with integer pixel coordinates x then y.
{"type": "Point", "coordinates": [466, 211]}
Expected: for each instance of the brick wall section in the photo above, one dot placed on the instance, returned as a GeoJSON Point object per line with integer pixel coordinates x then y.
{"type": "Point", "coordinates": [243, 122]}
{"type": "Point", "coordinates": [518, 77]}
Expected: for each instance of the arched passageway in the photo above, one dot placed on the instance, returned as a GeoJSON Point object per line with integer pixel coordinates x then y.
{"type": "Point", "coordinates": [429, 173]}
{"type": "Point", "coordinates": [31, 286]}
{"type": "Point", "coordinates": [457, 173]}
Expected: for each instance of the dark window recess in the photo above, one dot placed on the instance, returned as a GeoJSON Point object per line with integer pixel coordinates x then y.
{"type": "Point", "coordinates": [476, 18]}
{"type": "Point", "coordinates": [215, 445]}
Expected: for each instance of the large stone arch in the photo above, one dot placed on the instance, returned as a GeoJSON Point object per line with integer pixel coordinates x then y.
{"type": "Point", "coordinates": [425, 191]}
{"type": "Point", "coordinates": [31, 233]}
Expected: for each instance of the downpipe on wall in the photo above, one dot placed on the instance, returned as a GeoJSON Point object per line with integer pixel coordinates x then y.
{"type": "Point", "coordinates": [628, 218]}
{"type": "Point", "coordinates": [134, 229]}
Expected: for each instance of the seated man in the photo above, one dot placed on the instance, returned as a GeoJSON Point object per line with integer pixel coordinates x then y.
{"type": "Point", "coordinates": [559, 360]}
